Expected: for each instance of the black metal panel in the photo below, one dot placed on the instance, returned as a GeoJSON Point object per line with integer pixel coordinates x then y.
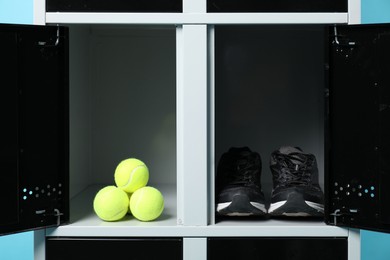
{"type": "Point", "coordinates": [277, 248]}
{"type": "Point", "coordinates": [114, 6]}
{"type": "Point", "coordinates": [358, 141]}
{"type": "Point", "coordinates": [36, 154]}
{"type": "Point", "coordinates": [277, 6]}
{"type": "Point", "coordinates": [79, 248]}
{"type": "Point", "coordinates": [9, 127]}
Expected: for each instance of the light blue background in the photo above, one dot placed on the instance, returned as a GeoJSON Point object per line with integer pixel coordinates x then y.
{"type": "Point", "coordinates": [16, 11]}
{"type": "Point", "coordinates": [375, 246]}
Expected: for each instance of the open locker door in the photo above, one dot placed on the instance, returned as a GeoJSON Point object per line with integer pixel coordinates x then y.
{"type": "Point", "coordinates": [358, 124]}
{"type": "Point", "coordinates": [34, 127]}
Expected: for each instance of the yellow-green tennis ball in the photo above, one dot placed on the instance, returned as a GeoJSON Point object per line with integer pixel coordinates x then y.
{"type": "Point", "coordinates": [128, 205]}
{"type": "Point", "coordinates": [111, 203]}
{"type": "Point", "coordinates": [147, 203]}
{"type": "Point", "coordinates": [131, 174]}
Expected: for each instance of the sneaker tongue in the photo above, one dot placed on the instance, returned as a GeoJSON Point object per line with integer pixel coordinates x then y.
{"type": "Point", "coordinates": [288, 150]}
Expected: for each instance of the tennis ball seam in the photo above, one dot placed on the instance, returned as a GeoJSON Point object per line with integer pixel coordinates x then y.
{"type": "Point", "coordinates": [131, 174]}
{"type": "Point", "coordinates": [118, 214]}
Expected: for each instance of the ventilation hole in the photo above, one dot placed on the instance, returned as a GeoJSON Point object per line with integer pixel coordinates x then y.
{"type": "Point", "coordinates": [37, 195]}
{"type": "Point", "coordinates": [59, 184]}
{"type": "Point", "coordinates": [48, 194]}
{"type": "Point", "coordinates": [36, 188]}
{"type": "Point", "coordinates": [24, 190]}
{"type": "Point", "coordinates": [336, 192]}
{"type": "Point", "coordinates": [360, 186]}
{"type": "Point", "coordinates": [48, 186]}
{"type": "Point", "coordinates": [54, 189]}
{"type": "Point", "coordinates": [341, 188]}
{"type": "Point", "coordinates": [336, 184]}
{"type": "Point", "coordinates": [30, 192]}
{"type": "Point", "coordinates": [59, 192]}
{"type": "Point", "coordinates": [372, 188]}
{"type": "Point", "coordinates": [359, 194]}
{"type": "Point", "coordinates": [42, 191]}
{"type": "Point", "coordinates": [365, 191]}
{"type": "Point", "coordinates": [24, 197]}
{"type": "Point", "coordinates": [372, 195]}
{"type": "Point", "coordinates": [347, 193]}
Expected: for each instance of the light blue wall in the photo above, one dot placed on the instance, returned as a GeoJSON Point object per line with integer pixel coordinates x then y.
{"type": "Point", "coordinates": [375, 11]}
{"type": "Point", "coordinates": [18, 246]}
{"type": "Point", "coordinates": [375, 246]}
{"type": "Point", "coordinates": [16, 11]}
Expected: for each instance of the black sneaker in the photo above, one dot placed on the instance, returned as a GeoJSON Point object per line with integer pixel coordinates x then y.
{"type": "Point", "coordinates": [238, 188]}
{"type": "Point", "coordinates": [296, 191]}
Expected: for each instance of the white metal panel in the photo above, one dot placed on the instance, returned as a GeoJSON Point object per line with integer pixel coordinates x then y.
{"type": "Point", "coordinates": [84, 222]}
{"type": "Point", "coordinates": [354, 244]}
{"type": "Point", "coordinates": [197, 18]}
{"type": "Point", "coordinates": [133, 100]}
{"type": "Point", "coordinates": [39, 12]}
{"type": "Point", "coordinates": [354, 11]}
{"type": "Point", "coordinates": [192, 124]}
{"type": "Point", "coordinates": [211, 122]}
{"type": "Point", "coordinates": [79, 96]}
{"type": "Point", "coordinates": [268, 228]}
{"type": "Point", "coordinates": [194, 6]}
{"type": "Point", "coordinates": [195, 248]}
{"type": "Point", "coordinates": [39, 244]}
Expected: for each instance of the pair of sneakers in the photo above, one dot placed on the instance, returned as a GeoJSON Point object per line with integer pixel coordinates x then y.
{"type": "Point", "coordinates": [295, 193]}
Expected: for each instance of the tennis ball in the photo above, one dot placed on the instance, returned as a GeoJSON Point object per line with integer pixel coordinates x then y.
{"type": "Point", "coordinates": [128, 205]}
{"type": "Point", "coordinates": [131, 174]}
{"type": "Point", "coordinates": [147, 203]}
{"type": "Point", "coordinates": [111, 203]}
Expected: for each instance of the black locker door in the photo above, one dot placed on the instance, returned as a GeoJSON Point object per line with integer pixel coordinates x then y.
{"type": "Point", "coordinates": [34, 127]}
{"type": "Point", "coordinates": [358, 140]}
{"type": "Point", "coordinates": [281, 6]}
{"type": "Point", "coordinates": [150, 6]}
{"type": "Point", "coordinates": [277, 248]}
{"type": "Point", "coordinates": [104, 248]}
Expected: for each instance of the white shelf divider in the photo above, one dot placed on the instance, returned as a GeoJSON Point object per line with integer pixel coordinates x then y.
{"type": "Point", "coordinates": [192, 125]}
{"type": "Point", "coordinates": [196, 18]}
{"type": "Point", "coordinates": [85, 223]}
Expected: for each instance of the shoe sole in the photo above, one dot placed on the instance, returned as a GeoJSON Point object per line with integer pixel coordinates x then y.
{"type": "Point", "coordinates": [241, 206]}
{"type": "Point", "coordinates": [296, 206]}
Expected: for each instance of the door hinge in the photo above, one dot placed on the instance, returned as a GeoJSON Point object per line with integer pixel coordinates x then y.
{"type": "Point", "coordinates": [335, 214]}
{"type": "Point", "coordinates": [56, 42]}
{"type": "Point", "coordinates": [55, 213]}
{"type": "Point", "coordinates": [339, 41]}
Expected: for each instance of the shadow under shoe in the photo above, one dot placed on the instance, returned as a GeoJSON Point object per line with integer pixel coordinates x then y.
{"type": "Point", "coordinates": [238, 187]}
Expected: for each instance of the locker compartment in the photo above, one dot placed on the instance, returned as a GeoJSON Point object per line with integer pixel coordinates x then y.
{"type": "Point", "coordinates": [122, 105]}
{"type": "Point", "coordinates": [277, 6]}
{"type": "Point", "coordinates": [270, 83]}
{"type": "Point", "coordinates": [160, 6]}
{"type": "Point", "coordinates": [293, 248]}
{"type": "Point", "coordinates": [64, 248]}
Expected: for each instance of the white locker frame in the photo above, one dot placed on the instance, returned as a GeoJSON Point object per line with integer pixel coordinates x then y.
{"type": "Point", "coordinates": [195, 111]}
